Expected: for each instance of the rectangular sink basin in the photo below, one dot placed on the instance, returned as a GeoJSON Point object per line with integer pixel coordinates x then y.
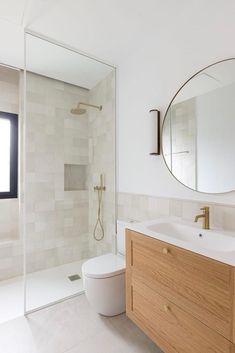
{"type": "Point", "coordinates": [208, 239]}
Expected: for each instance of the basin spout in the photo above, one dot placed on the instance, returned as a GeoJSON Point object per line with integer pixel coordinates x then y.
{"type": "Point", "coordinates": [206, 217]}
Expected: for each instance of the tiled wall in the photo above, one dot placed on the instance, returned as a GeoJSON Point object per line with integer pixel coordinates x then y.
{"type": "Point", "coordinates": [102, 161]}
{"type": "Point", "coordinates": [144, 207]}
{"type": "Point", "coordinates": [56, 220]}
{"type": "Point", "coordinates": [59, 224]}
{"type": "Point", "coordinates": [11, 247]}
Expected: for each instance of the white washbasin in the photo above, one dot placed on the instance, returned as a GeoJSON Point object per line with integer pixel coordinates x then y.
{"type": "Point", "coordinates": [216, 244]}
{"type": "Point", "coordinates": [208, 239]}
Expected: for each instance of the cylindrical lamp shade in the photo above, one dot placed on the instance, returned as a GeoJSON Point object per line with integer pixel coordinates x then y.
{"type": "Point", "coordinates": [154, 132]}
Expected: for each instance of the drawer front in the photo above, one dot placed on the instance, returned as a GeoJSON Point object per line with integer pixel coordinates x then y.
{"type": "Point", "coordinates": [199, 285]}
{"type": "Point", "coordinates": [170, 327]}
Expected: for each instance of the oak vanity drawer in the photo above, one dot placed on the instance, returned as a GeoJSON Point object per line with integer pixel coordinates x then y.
{"type": "Point", "coordinates": [200, 286]}
{"type": "Point", "coordinates": [170, 327]}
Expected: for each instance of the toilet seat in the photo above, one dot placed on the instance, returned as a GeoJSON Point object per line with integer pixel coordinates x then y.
{"type": "Point", "coordinates": [104, 266]}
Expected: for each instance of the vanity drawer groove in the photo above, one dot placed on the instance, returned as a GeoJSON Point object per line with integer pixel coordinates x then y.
{"type": "Point", "coordinates": [205, 293]}
{"type": "Point", "coordinates": [201, 286]}
{"type": "Point", "coordinates": [173, 329]}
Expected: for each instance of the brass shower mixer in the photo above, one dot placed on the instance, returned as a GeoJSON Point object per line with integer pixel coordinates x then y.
{"type": "Point", "coordinates": [100, 187]}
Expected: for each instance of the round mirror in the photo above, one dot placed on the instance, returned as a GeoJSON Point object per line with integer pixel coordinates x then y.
{"type": "Point", "coordinates": [198, 134]}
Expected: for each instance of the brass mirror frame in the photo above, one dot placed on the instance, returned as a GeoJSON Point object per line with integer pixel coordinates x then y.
{"type": "Point", "coordinates": [164, 119]}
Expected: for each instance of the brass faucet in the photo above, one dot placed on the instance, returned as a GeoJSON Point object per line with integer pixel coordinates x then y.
{"type": "Point", "coordinates": [205, 216]}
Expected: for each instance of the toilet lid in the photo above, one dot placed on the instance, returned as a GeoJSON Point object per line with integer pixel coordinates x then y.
{"type": "Point", "coordinates": [104, 266]}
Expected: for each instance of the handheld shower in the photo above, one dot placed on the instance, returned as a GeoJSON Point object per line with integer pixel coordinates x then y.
{"type": "Point", "coordinates": [100, 188]}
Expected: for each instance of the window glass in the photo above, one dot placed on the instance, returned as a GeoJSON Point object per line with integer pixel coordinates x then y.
{"type": "Point", "coordinates": [5, 143]}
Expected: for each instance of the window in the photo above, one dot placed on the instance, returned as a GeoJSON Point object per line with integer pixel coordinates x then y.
{"type": "Point", "coordinates": [8, 155]}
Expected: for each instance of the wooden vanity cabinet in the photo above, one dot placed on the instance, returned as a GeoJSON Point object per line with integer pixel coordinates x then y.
{"type": "Point", "coordinates": [183, 301]}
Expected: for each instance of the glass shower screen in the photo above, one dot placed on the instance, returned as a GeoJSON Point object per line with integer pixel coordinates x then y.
{"type": "Point", "coordinates": [69, 143]}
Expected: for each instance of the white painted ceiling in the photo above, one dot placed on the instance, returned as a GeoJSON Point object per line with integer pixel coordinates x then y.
{"type": "Point", "coordinates": [112, 30]}
{"type": "Point", "coordinates": [43, 57]}
{"type": "Point", "coordinates": [47, 59]}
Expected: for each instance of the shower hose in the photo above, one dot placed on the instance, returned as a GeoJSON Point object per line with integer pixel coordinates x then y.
{"type": "Point", "coordinates": [99, 221]}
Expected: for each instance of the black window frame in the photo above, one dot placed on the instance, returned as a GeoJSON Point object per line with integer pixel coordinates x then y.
{"type": "Point", "coordinates": [13, 193]}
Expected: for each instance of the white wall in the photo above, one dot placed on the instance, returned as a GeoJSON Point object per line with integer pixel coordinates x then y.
{"type": "Point", "coordinates": [148, 79]}
{"type": "Point", "coordinates": [170, 40]}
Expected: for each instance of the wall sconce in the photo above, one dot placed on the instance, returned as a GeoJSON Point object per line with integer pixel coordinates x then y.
{"type": "Point", "coordinates": [154, 132]}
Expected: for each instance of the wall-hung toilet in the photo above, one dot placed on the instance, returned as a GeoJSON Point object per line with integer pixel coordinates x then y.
{"type": "Point", "coordinates": [104, 278]}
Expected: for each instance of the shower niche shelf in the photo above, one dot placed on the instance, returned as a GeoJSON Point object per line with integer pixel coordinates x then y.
{"type": "Point", "coordinates": [75, 177]}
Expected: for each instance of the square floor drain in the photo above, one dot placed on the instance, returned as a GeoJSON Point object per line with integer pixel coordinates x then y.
{"type": "Point", "coordinates": [74, 277]}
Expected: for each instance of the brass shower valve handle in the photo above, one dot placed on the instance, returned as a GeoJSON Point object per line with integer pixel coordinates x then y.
{"type": "Point", "coordinates": [99, 188]}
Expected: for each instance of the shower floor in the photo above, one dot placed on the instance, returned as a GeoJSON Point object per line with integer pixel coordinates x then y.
{"type": "Point", "coordinates": [42, 288]}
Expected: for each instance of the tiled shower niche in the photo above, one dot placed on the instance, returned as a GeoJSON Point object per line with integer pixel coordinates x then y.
{"type": "Point", "coordinates": [75, 177]}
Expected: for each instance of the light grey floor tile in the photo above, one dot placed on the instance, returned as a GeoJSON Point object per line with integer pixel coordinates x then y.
{"type": "Point", "coordinates": [115, 335]}
{"type": "Point", "coordinates": [73, 327]}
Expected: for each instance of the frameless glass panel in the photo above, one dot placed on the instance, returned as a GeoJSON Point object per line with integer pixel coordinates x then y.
{"type": "Point", "coordinates": [5, 140]}
{"type": "Point", "coordinates": [70, 143]}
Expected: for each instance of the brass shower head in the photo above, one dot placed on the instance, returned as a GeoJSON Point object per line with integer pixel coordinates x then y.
{"type": "Point", "coordinates": [79, 111]}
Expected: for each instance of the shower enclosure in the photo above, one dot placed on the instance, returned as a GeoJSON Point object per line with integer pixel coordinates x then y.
{"type": "Point", "coordinates": [69, 142]}
{"type": "Point", "coordinates": [66, 198]}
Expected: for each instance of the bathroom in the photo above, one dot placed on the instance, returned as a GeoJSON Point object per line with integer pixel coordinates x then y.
{"type": "Point", "coordinates": [93, 94]}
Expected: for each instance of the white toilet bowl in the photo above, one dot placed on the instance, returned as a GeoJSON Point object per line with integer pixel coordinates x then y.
{"type": "Point", "coordinates": [104, 283]}
{"type": "Point", "coordinates": [104, 278]}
